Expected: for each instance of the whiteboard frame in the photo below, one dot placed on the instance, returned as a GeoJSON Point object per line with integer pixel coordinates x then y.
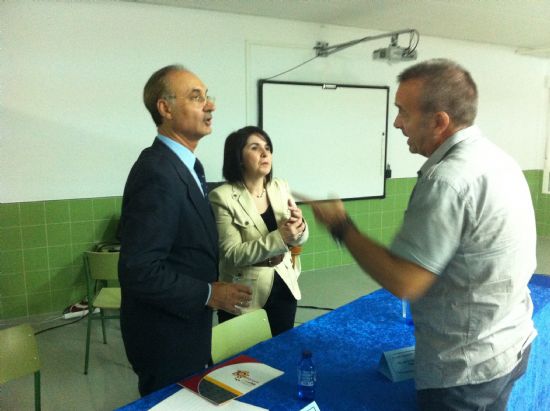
{"type": "Point", "coordinates": [386, 172]}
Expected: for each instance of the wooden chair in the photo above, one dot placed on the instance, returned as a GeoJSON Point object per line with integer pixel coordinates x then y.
{"type": "Point", "coordinates": [101, 268]}
{"type": "Point", "coordinates": [19, 357]}
{"type": "Point", "coordinates": [238, 334]}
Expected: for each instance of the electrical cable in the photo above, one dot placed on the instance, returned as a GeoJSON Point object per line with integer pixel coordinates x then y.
{"type": "Point", "coordinates": [60, 325]}
{"type": "Point", "coordinates": [412, 36]}
{"type": "Point", "coordinates": [313, 307]}
{"type": "Point", "coordinates": [49, 320]}
{"type": "Point", "coordinates": [293, 68]}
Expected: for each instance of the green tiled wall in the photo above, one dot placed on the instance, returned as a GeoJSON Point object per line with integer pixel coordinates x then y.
{"type": "Point", "coordinates": [380, 218]}
{"type": "Point", "coordinates": [41, 243]}
{"type": "Point", "coordinates": [540, 201]}
{"type": "Point", "coordinates": [41, 246]}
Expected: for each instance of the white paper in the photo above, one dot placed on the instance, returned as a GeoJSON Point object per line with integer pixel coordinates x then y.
{"type": "Point", "coordinates": [311, 407]}
{"type": "Point", "coordinates": [398, 365]}
{"type": "Point", "coordinates": [187, 400]}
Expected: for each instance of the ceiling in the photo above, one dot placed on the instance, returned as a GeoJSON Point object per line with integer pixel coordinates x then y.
{"type": "Point", "coordinates": [521, 24]}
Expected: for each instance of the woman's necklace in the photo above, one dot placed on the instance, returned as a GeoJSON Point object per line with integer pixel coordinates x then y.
{"type": "Point", "coordinates": [260, 195]}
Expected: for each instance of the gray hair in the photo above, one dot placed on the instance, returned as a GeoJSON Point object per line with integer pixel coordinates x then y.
{"type": "Point", "coordinates": [157, 88]}
{"type": "Point", "coordinates": [447, 87]}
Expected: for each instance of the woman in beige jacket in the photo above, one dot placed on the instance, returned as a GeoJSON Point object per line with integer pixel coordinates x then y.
{"type": "Point", "coordinates": [258, 225]}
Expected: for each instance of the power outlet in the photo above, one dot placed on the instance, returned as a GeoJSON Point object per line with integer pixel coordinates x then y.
{"type": "Point", "coordinates": [77, 314]}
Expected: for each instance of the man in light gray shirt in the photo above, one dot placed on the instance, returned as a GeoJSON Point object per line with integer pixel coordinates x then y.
{"type": "Point", "coordinates": [465, 252]}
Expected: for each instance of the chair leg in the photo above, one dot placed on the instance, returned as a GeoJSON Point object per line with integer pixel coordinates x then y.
{"type": "Point", "coordinates": [87, 357]}
{"type": "Point", "coordinates": [37, 402]}
{"type": "Point", "coordinates": [103, 325]}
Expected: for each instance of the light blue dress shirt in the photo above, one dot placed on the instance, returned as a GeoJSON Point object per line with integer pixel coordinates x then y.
{"type": "Point", "coordinates": [188, 159]}
{"type": "Point", "coordinates": [185, 155]}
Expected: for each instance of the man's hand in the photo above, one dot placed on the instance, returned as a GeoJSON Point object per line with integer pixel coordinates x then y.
{"type": "Point", "coordinates": [229, 297]}
{"type": "Point", "coordinates": [330, 213]}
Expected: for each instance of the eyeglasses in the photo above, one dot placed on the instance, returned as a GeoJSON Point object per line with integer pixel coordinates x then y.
{"type": "Point", "coordinates": [197, 99]}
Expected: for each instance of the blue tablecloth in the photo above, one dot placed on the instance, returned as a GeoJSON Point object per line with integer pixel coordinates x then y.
{"type": "Point", "coordinates": [347, 344]}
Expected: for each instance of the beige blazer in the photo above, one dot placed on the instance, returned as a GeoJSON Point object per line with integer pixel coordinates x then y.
{"type": "Point", "coordinates": [245, 240]}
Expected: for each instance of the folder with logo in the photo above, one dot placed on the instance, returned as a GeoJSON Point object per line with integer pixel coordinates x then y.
{"type": "Point", "coordinates": [231, 379]}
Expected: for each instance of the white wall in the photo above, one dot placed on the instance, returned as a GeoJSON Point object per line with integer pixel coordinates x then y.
{"type": "Point", "coordinates": [72, 122]}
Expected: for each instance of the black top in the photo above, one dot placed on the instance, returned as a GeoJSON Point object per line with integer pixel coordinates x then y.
{"type": "Point", "coordinates": [269, 219]}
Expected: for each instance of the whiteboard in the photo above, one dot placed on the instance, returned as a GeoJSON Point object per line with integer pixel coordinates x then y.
{"type": "Point", "coordinates": [329, 139]}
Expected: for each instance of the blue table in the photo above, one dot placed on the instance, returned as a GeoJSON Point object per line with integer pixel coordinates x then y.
{"type": "Point", "coordinates": [347, 344]}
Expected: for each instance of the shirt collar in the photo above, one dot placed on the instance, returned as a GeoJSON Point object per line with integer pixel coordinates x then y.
{"type": "Point", "coordinates": [184, 154]}
{"type": "Point", "coordinates": [443, 149]}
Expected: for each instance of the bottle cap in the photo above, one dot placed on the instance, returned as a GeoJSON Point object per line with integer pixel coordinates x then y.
{"type": "Point", "coordinates": [306, 354]}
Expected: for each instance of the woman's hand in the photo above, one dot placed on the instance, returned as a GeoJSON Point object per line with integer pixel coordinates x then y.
{"type": "Point", "coordinates": [293, 228]}
{"type": "Point", "coordinates": [295, 212]}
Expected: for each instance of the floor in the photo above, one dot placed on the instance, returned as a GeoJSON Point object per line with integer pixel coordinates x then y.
{"type": "Point", "coordinates": [111, 383]}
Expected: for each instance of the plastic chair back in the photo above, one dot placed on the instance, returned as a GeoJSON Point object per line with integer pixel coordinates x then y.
{"type": "Point", "coordinates": [101, 268]}
{"type": "Point", "coordinates": [102, 265]}
{"type": "Point", "coordinates": [242, 332]}
{"type": "Point", "coordinates": [19, 356]}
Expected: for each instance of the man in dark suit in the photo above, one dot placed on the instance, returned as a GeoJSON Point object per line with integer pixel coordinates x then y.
{"type": "Point", "coordinates": [168, 267]}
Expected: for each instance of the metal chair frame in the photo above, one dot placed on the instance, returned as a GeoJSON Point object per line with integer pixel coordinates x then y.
{"type": "Point", "coordinates": [101, 268]}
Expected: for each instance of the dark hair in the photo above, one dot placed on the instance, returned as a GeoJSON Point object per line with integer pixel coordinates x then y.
{"type": "Point", "coordinates": [447, 87]}
{"type": "Point", "coordinates": [157, 88]}
{"type": "Point", "coordinates": [233, 153]}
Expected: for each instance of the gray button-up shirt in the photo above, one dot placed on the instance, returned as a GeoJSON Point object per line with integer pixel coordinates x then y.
{"type": "Point", "coordinates": [470, 220]}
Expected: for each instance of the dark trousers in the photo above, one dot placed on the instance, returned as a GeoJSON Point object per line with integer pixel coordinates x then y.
{"type": "Point", "coordinates": [280, 308]}
{"type": "Point", "coordinates": [487, 396]}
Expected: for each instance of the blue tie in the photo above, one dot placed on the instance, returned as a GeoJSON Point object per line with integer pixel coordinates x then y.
{"type": "Point", "coordinates": [199, 169]}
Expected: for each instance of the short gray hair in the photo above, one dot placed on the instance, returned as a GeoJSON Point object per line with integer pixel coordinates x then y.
{"type": "Point", "coordinates": [157, 88]}
{"type": "Point", "coordinates": [447, 87]}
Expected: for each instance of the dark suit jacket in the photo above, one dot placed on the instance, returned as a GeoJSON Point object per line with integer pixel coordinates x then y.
{"type": "Point", "coordinates": [169, 254]}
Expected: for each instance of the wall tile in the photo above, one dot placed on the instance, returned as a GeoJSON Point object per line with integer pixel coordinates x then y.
{"type": "Point", "coordinates": [33, 213]}
{"type": "Point", "coordinates": [37, 282]}
{"type": "Point", "coordinates": [105, 229]}
{"type": "Point", "coordinates": [334, 258]}
{"type": "Point", "coordinates": [13, 307]}
{"type": "Point", "coordinates": [61, 299]}
{"type": "Point", "coordinates": [78, 252]}
{"type": "Point", "coordinates": [58, 234]}
{"type": "Point", "coordinates": [104, 208]}
{"type": "Point", "coordinates": [34, 236]}
{"type": "Point", "coordinates": [82, 232]}
{"type": "Point", "coordinates": [12, 285]}
{"type": "Point", "coordinates": [57, 211]}
{"type": "Point", "coordinates": [11, 262]}
{"type": "Point", "coordinates": [39, 303]}
{"type": "Point", "coordinates": [81, 209]}
{"type": "Point", "coordinates": [60, 256]}
{"type": "Point", "coordinates": [307, 262]}
{"type": "Point", "coordinates": [11, 238]}
{"type": "Point", "coordinates": [9, 215]}
{"type": "Point", "coordinates": [320, 260]}
{"type": "Point", "coordinates": [35, 259]}
{"type": "Point", "coordinates": [66, 277]}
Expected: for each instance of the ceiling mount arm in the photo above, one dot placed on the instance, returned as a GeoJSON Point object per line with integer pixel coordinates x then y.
{"type": "Point", "coordinates": [324, 50]}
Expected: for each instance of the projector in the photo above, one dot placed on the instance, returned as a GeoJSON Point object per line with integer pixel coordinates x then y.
{"type": "Point", "coordinates": [394, 53]}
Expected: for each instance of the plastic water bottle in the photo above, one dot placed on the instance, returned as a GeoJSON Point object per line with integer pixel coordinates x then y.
{"type": "Point", "coordinates": [406, 312]}
{"type": "Point", "coordinates": [306, 377]}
